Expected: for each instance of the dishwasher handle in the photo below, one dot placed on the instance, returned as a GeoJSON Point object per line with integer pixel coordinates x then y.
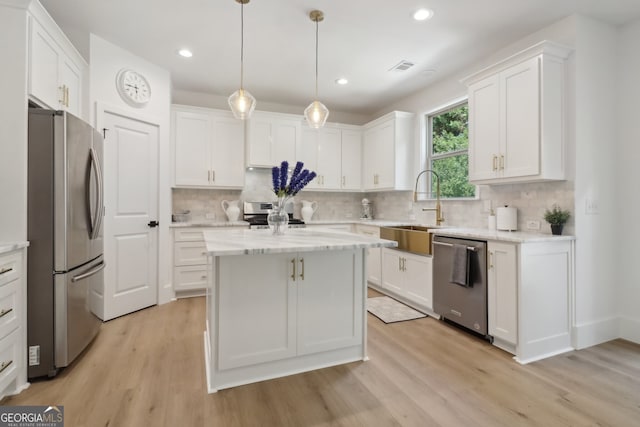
{"type": "Point", "coordinates": [469, 248]}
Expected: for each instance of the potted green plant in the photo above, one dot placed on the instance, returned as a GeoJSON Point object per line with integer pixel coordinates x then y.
{"type": "Point", "coordinates": [557, 217]}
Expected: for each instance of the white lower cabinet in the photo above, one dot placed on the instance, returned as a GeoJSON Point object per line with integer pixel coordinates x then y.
{"type": "Point", "coordinates": [189, 260]}
{"type": "Point", "coordinates": [502, 293]}
{"type": "Point", "coordinates": [408, 277]}
{"type": "Point", "coordinates": [528, 297]}
{"type": "Point", "coordinates": [13, 341]}
{"type": "Point", "coordinates": [374, 255]}
{"type": "Point", "coordinates": [287, 305]}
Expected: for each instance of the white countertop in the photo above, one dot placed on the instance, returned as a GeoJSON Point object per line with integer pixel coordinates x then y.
{"type": "Point", "coordinates": [504, 236]}
{"type": "Point", "coordinates": [205, 223]}
{"type": "Point", "coordinates": [252, 242]}
{"type": "Point", "coordinates": [12, 246]}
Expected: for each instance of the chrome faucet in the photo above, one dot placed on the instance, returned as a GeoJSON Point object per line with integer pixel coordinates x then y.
{"type": "Point", "coordinates": [438, 208]}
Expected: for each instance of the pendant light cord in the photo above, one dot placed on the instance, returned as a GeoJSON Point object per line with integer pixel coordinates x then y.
{"type": "Point", "coordinates": [316, 58]}
{"type": "Point", "coordinates": [241, 45]}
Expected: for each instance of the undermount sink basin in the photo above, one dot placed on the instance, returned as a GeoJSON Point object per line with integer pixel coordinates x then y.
{"type": "Point", "coordinates": [410, 238]}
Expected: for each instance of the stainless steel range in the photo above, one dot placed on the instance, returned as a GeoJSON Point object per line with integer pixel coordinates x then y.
{"type": "Point", "coordinates": [255, 213]}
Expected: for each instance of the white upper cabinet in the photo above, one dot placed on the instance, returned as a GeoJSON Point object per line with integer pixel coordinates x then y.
{"type": "Point", "coordinates": [334, 153]}
{"type": "Point", "coordinates": [208, 148]}
{"type": "Point", "coordinates": [56, 69]}
{"type": "Point", "coordinates": [351, 160]}
{"type": "Point", "coordinates": [388, 152]}
{"type": "Point", "coordinates": [517, 118]}
{"type": "Point", "coordinates": [272, 138]}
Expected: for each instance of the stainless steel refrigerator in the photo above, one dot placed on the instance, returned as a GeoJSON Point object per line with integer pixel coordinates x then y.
{"type": "Point", "coordinates": [65, 263]}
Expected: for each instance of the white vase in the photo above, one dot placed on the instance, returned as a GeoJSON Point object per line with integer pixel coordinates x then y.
{"type": "Point", "coordinates": [308, 209]}
{"type": "Point", "coordinates": [231, 209]}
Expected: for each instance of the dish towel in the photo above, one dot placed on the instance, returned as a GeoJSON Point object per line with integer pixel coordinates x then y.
{"type": "Point", "coordinates": [460, 266]}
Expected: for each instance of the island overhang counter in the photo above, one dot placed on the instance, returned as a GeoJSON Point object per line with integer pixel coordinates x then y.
{"type": "Point", "coordinates": [281, 305]}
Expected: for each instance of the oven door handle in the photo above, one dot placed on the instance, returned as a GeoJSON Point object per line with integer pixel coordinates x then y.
{"type": "Point", "coordinates": [469, 248]}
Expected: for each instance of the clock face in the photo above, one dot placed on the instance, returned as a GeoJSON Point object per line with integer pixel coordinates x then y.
{"type": "Point", "coordinates": [133, 87]}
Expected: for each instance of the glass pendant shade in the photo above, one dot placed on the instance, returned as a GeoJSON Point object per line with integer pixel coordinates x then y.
{"type": "Point", "coordinates": [316, 114]}
{"type": "Point", "coordinates": [242, 104]}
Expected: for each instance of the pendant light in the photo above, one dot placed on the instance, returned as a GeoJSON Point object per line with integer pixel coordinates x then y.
{"type": "Point", "coordinates": [242, 103]}
{"type": "Point", "coordinates": [316, 113]}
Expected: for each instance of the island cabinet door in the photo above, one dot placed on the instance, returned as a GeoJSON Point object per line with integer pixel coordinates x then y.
{"type": "Point", "coordinates": [256, 309]}
{"type": "Point", "coordinates": [330, 300]}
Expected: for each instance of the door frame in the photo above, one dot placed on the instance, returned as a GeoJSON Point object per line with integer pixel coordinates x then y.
{"type": "Point", "coordinates": [164, 292]}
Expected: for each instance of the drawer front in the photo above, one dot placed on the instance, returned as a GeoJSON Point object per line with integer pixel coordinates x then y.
{"type": "Point", "coordinates": [187, 278]}
{"type": "Point", "coordinates": [188, 234]}
{"type": "Point", "coordinates": [189, 253]}
{"type": "Point", "coordinates": [368, 230]}
{"type": "Point", "coordinates": [9, 359]}
{"type": "Point", "coordinates": [9, 307]}
{"type": "Point", "coordinates": [10, 267]}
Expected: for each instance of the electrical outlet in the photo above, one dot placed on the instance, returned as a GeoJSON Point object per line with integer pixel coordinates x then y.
{"type": "Point", "coordinates": [34, 355]}
{"type": "Point", "coordinates": [533, 225]}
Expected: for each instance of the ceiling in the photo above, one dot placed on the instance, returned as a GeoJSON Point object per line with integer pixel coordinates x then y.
{"type": "Point", "coordinates": [359, 39]}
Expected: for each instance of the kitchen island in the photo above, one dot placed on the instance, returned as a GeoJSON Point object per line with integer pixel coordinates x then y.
{"type": "Point", "coordinates": [280, 305]}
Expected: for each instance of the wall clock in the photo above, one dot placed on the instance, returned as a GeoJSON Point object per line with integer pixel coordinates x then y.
{"type": "Point", "coordinates": [133, 87]}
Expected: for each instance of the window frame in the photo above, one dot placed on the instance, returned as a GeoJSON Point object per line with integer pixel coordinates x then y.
{"type": "Point", "coordinates": [429, 156]}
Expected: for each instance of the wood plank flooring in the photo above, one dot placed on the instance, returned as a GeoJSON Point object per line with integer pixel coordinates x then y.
{"type": "Point", "coordinates": [147, 369]}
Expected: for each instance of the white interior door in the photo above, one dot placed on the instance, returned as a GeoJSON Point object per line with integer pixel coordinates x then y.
{"type": "Point", "coordinates": [131, 205]}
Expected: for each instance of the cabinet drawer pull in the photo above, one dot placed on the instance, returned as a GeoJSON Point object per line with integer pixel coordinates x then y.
{"type": "Point", "coordinates": [66, 96]}
{"type": "Point", "coordinates": [490, 259]}
{"type": "Point", "coordinates": [204, 276]}
{"type": "Point", "coordinates": [344, 181]}
{"type": "Point", "coordinates": [5, 365]}
{"type": "Point", "coordinates": [293, 265]}
{"type": "Point", "coordinates": [213, 176]}
{"type": "Point", "coordinates": [204, 253]}
{"type": "Point", "coordinates": [302, 265]}
{"type": "Point", "coordinates": [62, 92]}
{"type": "Point", "coordinates": [502, 162]}
{"type": "Point", "coordinates": [5, 312]}
{"type": "Point", "coordinates": [495, 163]}
{"type": "Point", "coordinates": [208, 176]}
{"type": "Point", "coordinates": [6, 270]}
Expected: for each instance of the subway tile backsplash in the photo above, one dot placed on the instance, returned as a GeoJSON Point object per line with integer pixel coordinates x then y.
{"type": "Point", "coordinates": [530, 199]}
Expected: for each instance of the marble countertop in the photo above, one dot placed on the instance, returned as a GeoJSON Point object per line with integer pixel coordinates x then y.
{"type": "Point", "coordinates": [504, 236]}
{"type": "Point", "coordinates": [253, 242]}
{"type": "Point", "coordinates": [12, 246]}
{"type": "Point", "coordinates": [205, 223]}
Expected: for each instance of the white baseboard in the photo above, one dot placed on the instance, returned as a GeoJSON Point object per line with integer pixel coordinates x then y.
{"type": "Point", "coordinates": [630, 329]}
{"type": "Point", "coordinates": [593, 333]}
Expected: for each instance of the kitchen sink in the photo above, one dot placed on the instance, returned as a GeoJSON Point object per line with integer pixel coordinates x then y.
{"type": "Point", "coordinates": [410, 238]}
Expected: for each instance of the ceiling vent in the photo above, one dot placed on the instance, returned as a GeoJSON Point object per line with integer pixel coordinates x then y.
{"type": "Point", "coordinates": [402, 66]}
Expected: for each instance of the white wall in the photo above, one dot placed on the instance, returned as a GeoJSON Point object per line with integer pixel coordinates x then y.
{"type": "Point", "coordinates": [13, 122]}
{"type": "Point", "coordinates": [627, 179]}
{"type": "Point", "coordinates": [596, 314]}
{"type": "Point", "coordinates": [106, 60]}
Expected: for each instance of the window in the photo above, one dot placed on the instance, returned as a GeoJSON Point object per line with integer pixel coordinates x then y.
{"type": "Point", "coordinates": [448, 152]}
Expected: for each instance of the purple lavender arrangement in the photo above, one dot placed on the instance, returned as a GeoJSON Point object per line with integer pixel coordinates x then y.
{"type": "Point", "coordinates": [299, 179]}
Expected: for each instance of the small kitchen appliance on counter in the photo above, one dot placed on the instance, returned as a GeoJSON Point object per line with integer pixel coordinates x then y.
{"type": "Point", "coordinates": [507, 218]}
{"type": "Point", "coordinates": [255, 213]}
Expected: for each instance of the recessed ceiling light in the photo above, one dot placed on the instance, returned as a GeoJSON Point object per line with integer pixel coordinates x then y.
{"type": "Point", "coordinates": [185, 53]}
{"type": "Point", "coordinates": [423, 14]}
{"type": "Point", "coordinates": [342, 81]}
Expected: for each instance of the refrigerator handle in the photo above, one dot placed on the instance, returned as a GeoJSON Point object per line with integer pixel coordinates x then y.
{"type": "Point", "coordinates": [89, 273]}
{"type": "Point", "coordinates": [96, 221]}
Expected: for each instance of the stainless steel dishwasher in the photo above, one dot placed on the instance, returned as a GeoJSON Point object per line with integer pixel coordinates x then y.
{"type": "Point", "coordinates": [461, 303]}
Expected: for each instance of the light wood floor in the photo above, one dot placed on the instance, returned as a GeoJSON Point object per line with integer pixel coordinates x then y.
{"type": "Point", "coordinates": [147, 369]}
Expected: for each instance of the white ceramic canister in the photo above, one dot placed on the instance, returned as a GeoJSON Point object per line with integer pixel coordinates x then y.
{"type": "Point", "coordinates": [231, 209]}
{"type": "Point", "coordinates": [308, 209]}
